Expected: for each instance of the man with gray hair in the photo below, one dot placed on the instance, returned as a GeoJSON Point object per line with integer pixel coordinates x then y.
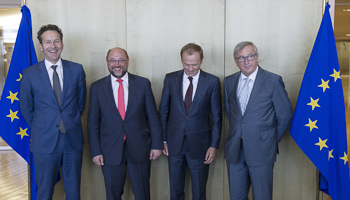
{"type": "Point", "coordinates": [259, 112]}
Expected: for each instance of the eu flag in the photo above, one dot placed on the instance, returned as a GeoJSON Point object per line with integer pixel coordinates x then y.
{"type": "Point", "coordinates": [319, 123]}
{"type": "Point", "coordinates": [14, 129]}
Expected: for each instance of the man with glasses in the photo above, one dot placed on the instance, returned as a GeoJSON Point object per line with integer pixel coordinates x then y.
{"type": "Point", "coordinates": [259, 111]}
{"type": "Point", "coordinates": [124, 128]}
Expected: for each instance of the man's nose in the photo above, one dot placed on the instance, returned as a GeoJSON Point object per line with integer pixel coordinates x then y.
{"type": "Point", "coordinates": [246, 61]}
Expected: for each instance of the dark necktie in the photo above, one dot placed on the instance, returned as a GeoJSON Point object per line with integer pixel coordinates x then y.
{"type": "Point", "coordinates": [58, 93]}
{"type": "Point", "coordinates": [188, 96]}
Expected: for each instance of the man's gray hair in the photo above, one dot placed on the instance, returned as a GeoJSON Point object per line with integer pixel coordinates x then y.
{"type": "Point", "coordinates": [243, 44]}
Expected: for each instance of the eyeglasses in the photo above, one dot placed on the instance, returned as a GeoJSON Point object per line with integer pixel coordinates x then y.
{"type": "Point", "coordinates": [121, 61]}
{"type": "Point", "coordinates": [248, 57]}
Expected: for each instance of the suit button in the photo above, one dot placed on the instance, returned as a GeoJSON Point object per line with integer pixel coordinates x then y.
{"type": "Point", "coordinates": [60, 111]}
{"type": "Point", "coordinates": [56, 125]}
{"type": "Point", "coordinates": [242, 122]}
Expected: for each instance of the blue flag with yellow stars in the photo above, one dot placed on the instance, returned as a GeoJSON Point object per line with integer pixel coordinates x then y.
{"type": "Point", "coordinates": [319, 123]}
{"type": "Point", "coordinates": [13, 127]}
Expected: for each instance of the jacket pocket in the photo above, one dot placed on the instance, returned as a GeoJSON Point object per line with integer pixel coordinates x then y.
{"type": "Point", "coordinates": [268, 133]}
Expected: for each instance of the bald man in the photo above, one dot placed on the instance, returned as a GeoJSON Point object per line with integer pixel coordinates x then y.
{"type": "Point", "coordinates": [124, 128]}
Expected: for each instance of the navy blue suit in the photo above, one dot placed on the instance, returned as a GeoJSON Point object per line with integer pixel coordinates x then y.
{"type": "Point", "coordinates": [202, 125]}
{"type": "Point", "coordinates": [141, 127]}
{"type": "Point", "coordinates": [43, 114]}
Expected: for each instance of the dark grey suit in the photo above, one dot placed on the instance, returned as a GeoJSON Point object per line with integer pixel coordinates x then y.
{"type": "Point", "coordinates": [200, 133]}
{"type": "Point", "coordinates": [141, 127]}
{"type": "Point", "coordinates": [253, 138]}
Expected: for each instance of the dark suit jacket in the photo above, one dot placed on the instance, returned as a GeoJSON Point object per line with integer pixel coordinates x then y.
{"type": "Point", "coordinates": [141, 124]}
{"type": "Point", "coordinates": [267, 116]}
{"type": "Point", "coordinates": [174, 120]}
{"type": "Point", "coordinates": [40, 108]}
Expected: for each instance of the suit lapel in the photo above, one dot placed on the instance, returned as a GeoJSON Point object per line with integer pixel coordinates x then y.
{"type": "Point", "coordinates": [46, 80]}
{"type": "Point", "coordinates": [235, 99]}
{"type": "Point", "coordinates": [178, 84]}
{"type": "Point", "coordinates": [199, 90]}
{"type": "Point", "coordinates": [258, 85]}
{"type": "Point", "coordinates": [107, 87]}
{"type": "Point", "coordinates": [66, 78]}
{"type": "Point", "coordinates": [132, 93]}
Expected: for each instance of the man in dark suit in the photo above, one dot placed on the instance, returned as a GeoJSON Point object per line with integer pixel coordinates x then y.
{"type": "Point", "coordinates": [124, 128]}
{"type": "Point", "coordinates": [52, 100]}
{"type": "Point", "coordinates": [259, 111]}
{"type": "Point", "coordinates": [191, 102]}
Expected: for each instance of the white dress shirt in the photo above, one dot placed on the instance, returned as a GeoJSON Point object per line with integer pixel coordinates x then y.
{"type": "Point", "coordinates": [241, 83]}
{"type": "Point", "coordinates": [59, 70]}
{"type": "Point", "coordinates": [186, 83]}
{"type": "Point", "coordinates": [115, 86]}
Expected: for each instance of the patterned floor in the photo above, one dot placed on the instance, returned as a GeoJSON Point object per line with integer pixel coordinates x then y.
{"type": "Point", "coordinates": [13, 175]}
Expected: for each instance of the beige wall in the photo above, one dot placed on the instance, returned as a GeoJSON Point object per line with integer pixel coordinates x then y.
{"type": "Point", "coordinates": [343, 50]}
{"type": "Point", "coordinates": [153, 32]}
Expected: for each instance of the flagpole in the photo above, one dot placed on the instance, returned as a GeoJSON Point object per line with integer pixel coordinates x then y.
{"type": "Point", "coordinates": [332, 3]}
{"type": "Point", "coordinates": [324, 195]}
{"type": "Point", "coordinates": [323, 6]}
{"type": "Point", "coordinates": [28, 167]}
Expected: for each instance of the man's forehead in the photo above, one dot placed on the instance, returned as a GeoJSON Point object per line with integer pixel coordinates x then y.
{"type": "Point", "coordinates": [247, 49]}
{"type": "Point", "coordinates": [117, 54]}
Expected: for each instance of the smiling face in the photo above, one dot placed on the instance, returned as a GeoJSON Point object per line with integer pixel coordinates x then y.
{"type": "Point", "coordinates": [247, 67]}
{"type": "Point", "coordinates": [191, 63]}
{"type": "Point", "coordinates": [117, 62]}
{"type": "Point", "coordinates": [51, 46]}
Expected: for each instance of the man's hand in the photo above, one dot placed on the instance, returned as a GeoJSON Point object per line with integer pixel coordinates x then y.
{"type": "Point", "coordinates": [209, 157]}
{"type": "Point", "coordinates": [98, 160]}
{"type": "Point", "coordinates": [165, 151]}
{"type": "Point", "coordinates": [155, 154]}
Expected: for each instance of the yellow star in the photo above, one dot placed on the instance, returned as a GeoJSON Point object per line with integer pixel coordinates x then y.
{"type": "Point", "coordinates": [22, 133]}
{"type": "Point", "coordinates": [321, 143]}
{"type": "Point", "coordinates": [311, 124]}
{"type": "Point", "coordinates": [13, 115]}
{"type": "Point", "coordinates": [313, 103]}
{"type": "Point", "coordinates": [13, 97]}
{"type": "Point", "coordinates": [336, 75]}
{"type": "Point", "coordinates": [324, 85]}
{"type": "Point", "coordinates": [330, 154]}
{"type": "Point", "coordinates": [345, 158]}
{"type": "Point", "coordinates": [20, 77]}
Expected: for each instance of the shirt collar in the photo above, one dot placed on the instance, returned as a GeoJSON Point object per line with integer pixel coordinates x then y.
{"type": "Point", "coordinates": [125, 78]}
{"type": "Point", "coordinates": [252, 76]}
{"type": "Point", "coordinates": [48, 64]}
{"type": "Point", "coordinates": [195, 77]}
